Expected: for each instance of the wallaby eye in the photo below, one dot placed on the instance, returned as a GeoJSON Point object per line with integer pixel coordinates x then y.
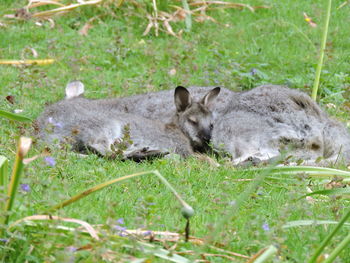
{"type": "Point", "coordinates": [193, 120]}
{"type": "Point", "coordinates": [211, 126]}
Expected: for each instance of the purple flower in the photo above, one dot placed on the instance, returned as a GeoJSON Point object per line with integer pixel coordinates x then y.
{"type": "Point", "coordinates": [253, 71]}
{"type": "Point", "coordinates": [58, 125]}
{"type": "Point", "coordinates": [120, 221]}
{"type": "Point", "coordinates": [25, 187]}
{"type": "Point", "coordinates": [4, 240]}
{"type": "Point", "coordinates": [147, 233]}
{"type": "Point", "coordinates": [266, 227]}
{"type": "Point", "coordinates": [50, 161]}
{"type": "Point", "coordinates": [71, 249]}
{"type": "Point", "coordinates": [54, 123]}
{"type": "Point", "coordinates": [120, 228]}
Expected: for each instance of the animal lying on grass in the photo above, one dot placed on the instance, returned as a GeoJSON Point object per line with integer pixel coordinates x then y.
{"type": "Point", "coordinates": [98, 126]}
{"type": "Point", "coordinates": [258, 125]}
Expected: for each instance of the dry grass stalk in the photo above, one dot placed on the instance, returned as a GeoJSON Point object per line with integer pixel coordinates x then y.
{"type": "Point", "coordinates": [180, 14]}
{"type": "Point", "coordinates": [165, 236]}
{"type": "Point", "coordinates": [36, 3]}
{"type": "Point", "coordinates": [64, 9]}
{"type": "Point", "coordinates": [223, 4]}
{"type": "Point", "coordinates": [89, 229]}
{"type": "Point", "coordinates": [23, 13]}
{"type": "Point", "coordinates": [26, 62]}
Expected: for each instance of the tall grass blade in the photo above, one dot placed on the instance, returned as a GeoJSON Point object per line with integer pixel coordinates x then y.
{"type": "Point", "coordinates": [14, 117]}
{"type": "Point", "coordinates": [310, 170]}
{"type": "Point", "coordinates": [311, 223]}
{"type": "Point", "coordinates": [238, 203]}
{"type": "Point", "coordinates": [266, 255]}
{"type": "Point", "coordinates": [322, 51]}
{"type": "Point", "coordinates": [23, 147]}
{"type": "Point", "coordinates": [326, 241]}
{"type": "Point", "coordinates": [338, 249]}
{"type": "Point", "coordinates": [3, 179]}
{"type": "Point", "coordinates": [89, 229]}
{"type": "Point", "coordinates": [187, 210]}
{"type": "Point", "coordinates": [336, 191]}
{"type": "Point", "coordinates": [188, 19]}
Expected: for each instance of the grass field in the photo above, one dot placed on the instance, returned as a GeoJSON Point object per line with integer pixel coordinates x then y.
{"type": "Point", "coordinates": [114, 59]}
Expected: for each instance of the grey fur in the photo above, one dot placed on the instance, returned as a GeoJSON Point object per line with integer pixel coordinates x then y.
{"type": "Point", "coordinates": [259, 123]}
{"type": "Point", "coordinates": [268, 120]}
{"type": "Point", "coordinates": [98, 124]}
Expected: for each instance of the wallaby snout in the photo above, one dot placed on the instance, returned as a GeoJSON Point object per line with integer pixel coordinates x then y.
{"type": "Point", "coordinates": [205, 135]}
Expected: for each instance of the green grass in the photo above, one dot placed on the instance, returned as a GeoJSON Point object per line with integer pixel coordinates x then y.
{"type": "Point", "coordinates": [115, 60]}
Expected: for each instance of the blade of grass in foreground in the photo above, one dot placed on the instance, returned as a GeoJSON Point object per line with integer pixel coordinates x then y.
{"type": "Point", "coordinates": [3, 179]}
{"type": "Point", "coordinates": [187, 210]}
{"type": "Point", "coordinates": [265, 255]}
{"type": "Point", "coordinates": [14, 117]}
{"type": "Point", "coordinates": [22, 150]}
{"type": "Point", "coordinates": [239, 202]}
{"type": "Point", "coordinates": [188, 19]}
{"type": "Point", "coordinates": [85, 225]}
{"type": "Point", "coordinates": [326, 241]}
{"type": "Point", "coordinates": [310, 170]}
{"type": "Point", "coordinates": [337, 250]}
{"type": "Point", "coordinates": [300, 223]}
{"type": "Point", "coordinates": [336, 191]}
{"type": "Point", "coordinates": [322, 51]}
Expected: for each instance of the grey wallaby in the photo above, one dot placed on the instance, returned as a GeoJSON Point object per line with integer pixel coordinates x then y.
{"type": "Point", "coordinates": [268, 120]}
{"type": "Point", "coordinates": [98, 125]}
{"type": "Point", "coordinates": [260, 123]}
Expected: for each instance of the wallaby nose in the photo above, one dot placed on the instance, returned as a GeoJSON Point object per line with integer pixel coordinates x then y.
{"type": "Point", "coordinates": [206, 136]}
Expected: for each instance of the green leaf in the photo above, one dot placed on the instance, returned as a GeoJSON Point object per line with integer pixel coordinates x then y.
{"type": "Point", "coordinates": [13, 116]}
{"type": "Point", "coordinates": [309, 170]}
{"type": "Point", "coordinates": [327, 240]}
{"type": "Point", "coordinates": [23, 147]}
{"type": "Point", "coordinates": [266, 256]}
{"type": "Point", "coordinates": [310, 223]}
{"type": "Point", "coordinates": [338, 249]}
{"type": "Point", "coordinates": [3, 178]}
{"type": "Point", "coordinates": [188, 19]}
{"type": "Point", "coordinates": [336, 191]}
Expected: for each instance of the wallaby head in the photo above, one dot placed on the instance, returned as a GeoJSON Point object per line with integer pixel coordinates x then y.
{"type": "Point", "coordinates": [74, 89]}
{"type": "Point", "coordinates": [194, 118]}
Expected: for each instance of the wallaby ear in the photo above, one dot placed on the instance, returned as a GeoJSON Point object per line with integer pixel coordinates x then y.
{"type": "Point", "coordinates": [210, 96]}
{"type": "Point", "coordinates": [182, 98]}
{"type": "Point", "coordinates": [74, 89]}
